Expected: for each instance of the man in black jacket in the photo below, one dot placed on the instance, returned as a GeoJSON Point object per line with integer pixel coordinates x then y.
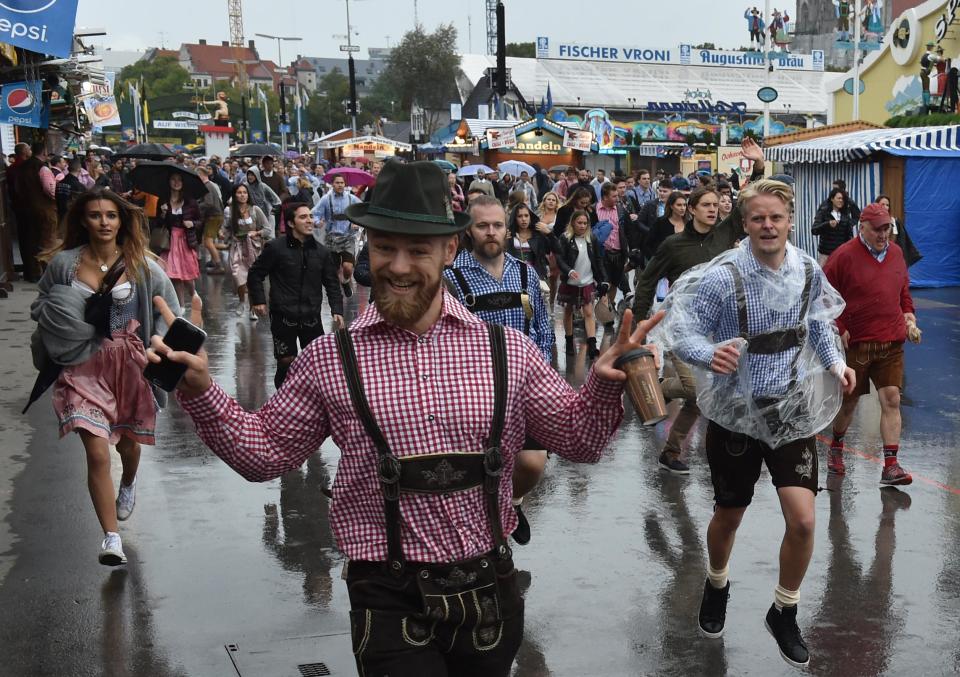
{"type": "Point", "coordinates": [654, 209]}
{"type": "Point", "coordinates": [300, 268]}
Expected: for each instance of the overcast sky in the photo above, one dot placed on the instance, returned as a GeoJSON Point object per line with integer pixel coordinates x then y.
{"type": "Point", "coordinates": [137, 24]}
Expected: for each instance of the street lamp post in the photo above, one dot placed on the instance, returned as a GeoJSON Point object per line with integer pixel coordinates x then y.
{"type": "Point", "coordinates": [767, 67]}
{"type": "Point", "coordinates": [284, 125]}
{"type": "Point", "coordinates": [350, 48]}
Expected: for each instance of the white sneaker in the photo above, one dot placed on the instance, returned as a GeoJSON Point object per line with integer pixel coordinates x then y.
{"type": "Point", "coordinates": [253, 316]}
{"type": "Point", "coordinates": [111, 550]}
{"type": "Point", "coordinates": [241, 309]}
{"type": "Point", "coordinates": [126, 499]}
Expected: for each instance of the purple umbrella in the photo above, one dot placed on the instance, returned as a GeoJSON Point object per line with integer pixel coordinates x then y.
{"type": "Point", "coordinates": [352, 175]}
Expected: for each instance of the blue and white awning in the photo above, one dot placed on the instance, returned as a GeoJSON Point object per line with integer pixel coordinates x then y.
{"type": "Point", "coordinates": [912, 141]}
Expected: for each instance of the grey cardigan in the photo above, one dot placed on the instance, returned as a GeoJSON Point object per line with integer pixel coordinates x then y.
{"type": "Point", "coordinates": [64, 337]}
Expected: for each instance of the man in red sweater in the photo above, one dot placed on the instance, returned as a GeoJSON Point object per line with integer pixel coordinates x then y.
{"type": "Point", "coordinates": [870, 273]}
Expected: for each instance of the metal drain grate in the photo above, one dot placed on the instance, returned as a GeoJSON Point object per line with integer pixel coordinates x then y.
{"type": "Point", "coordinates": [313, 670]}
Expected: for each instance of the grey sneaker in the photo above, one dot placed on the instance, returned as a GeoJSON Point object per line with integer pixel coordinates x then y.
{"type": "Point", "coordinates": [111, 550]}
{"type": "Point", "coordinates": [126, 499]}
{"type": "Point", "coordinates": [673, 465]}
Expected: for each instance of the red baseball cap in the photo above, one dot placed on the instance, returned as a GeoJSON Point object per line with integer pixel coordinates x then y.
{"type": "Point", "coordinates": [876, 216]}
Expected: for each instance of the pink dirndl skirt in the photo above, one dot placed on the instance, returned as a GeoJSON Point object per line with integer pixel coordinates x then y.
{"type": "Point", "coordinates": [243, 252]}
{"type": "Point", "coordinates": [107, 395]}
{"type": "Point", "coordinates": [180, 260]}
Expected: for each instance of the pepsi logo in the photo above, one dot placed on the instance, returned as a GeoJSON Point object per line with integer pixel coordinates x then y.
{"type": "Point", "coordinates": [27, 6]}
{"type": "Point", "coordinates": [19, 100]}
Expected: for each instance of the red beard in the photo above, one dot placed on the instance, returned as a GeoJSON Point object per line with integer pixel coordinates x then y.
{"type": "Point", "coordinates": [404, 311]}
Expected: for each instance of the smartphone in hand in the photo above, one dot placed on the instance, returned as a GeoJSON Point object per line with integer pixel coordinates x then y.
{"type": "Point", "coordinates": [181, 335]}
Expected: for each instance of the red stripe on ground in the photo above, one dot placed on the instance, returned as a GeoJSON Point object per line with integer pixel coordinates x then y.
{"type": "Point", "coordinates": [879, 460]}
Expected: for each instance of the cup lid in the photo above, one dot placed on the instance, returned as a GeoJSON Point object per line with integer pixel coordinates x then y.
{"type": "Point", "coordinates": [630, 356]}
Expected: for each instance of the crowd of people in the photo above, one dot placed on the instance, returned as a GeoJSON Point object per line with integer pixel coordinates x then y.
{"type": "Point", "coordinates": [430, 488]}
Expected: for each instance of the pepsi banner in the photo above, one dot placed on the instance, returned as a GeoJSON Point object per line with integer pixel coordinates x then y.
{"type": "Point", "coordinates": [20, 104]}
{"type": "Point", "coordinates": [44, 26]}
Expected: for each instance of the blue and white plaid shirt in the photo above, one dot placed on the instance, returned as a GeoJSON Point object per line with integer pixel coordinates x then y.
{"type": "Point", "coordinates": [481, 282]}
{"type": "Point", "coordinates": [332, 204]}
{"type": "Point", "coordinates": [717, 321]}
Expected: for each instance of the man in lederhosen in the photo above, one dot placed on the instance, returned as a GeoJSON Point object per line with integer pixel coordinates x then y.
{"type": "Point", "coordinates": [500, 288]}
{"type": "Point", "coordinates": [429, 406]}
{"type": "Point", "coordinates": [759, 320]}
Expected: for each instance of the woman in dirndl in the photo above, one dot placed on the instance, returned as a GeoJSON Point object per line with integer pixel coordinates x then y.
{"type": "Point", "coordinates": [181, 215]}
{"type": "Point", "coordinates": [95, 360]}
{"type": "Point", "coordinates": [247, 229]}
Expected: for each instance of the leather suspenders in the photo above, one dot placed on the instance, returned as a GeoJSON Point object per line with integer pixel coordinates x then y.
{"type": "Point", "coordinates": [498, 300]}
{"type": "Point", "coordinates": [454, 472]}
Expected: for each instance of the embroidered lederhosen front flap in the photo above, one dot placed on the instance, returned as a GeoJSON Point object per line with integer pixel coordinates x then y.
{"type": "Point", "coordinates": [441, 473]}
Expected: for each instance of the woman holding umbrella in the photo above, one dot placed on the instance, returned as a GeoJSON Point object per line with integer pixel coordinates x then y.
{"type": "Point", "coordinates": [180, 214]}
{"type": "Point", "coordinates": [94, 313]}
{"type": "Point", "coordinates": [247, 228]}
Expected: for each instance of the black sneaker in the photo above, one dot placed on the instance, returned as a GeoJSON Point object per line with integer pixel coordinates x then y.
{"type": "Point", "coordinates": [783, 626]}
{"type": "Point", "coordinates": [713, 610]}
{"type": "Point", "coordinates": [347, 289]}
{"type": "Point", "coordinates": [674, 465]}
{"type": "Point", "coordinates": [570, 350]}
{"type": "Point", "coordinates": [522, 533]}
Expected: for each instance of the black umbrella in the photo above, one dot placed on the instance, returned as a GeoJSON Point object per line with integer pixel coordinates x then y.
{"type": "Point", "coordinates": [154, 178]}
{"type": "Point", "coordinates": [147, 151]}
{"type": "Point", "coordinates": [257, 150]}
{"type": "Point", "coordinates": [558, 168]}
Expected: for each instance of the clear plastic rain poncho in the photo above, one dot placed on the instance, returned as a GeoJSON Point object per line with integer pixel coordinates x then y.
{"type": "Point", "coordinates": [786, 386]}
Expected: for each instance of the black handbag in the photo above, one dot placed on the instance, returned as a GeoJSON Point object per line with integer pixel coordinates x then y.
{"type": "Point", "coordinates": [97, 310]}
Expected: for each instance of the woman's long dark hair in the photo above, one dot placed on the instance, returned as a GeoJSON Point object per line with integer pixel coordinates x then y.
{"type": "Point", "coordinates": [534, 218]}
{"type": "Point", "coordinates": [834, 193]}
{"type": "Point", "coordinates": [131, 238]}
{"type": "Point", "coordinates": [235, 209]}
{"type": "Point", "coordinates": [674, 196]}
{"type": "Point", "coordinates": [578, 193]}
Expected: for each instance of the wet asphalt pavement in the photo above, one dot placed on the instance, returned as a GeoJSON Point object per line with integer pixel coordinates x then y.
{"type": "Point", "coordinates": [228, 578]}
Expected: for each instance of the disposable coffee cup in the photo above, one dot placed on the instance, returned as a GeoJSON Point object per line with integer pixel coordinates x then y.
{"type": "Point", "coordinates": [643, 385]}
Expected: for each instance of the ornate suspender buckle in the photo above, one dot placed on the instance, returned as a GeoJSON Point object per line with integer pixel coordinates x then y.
{"type": "Point", "coordinates": [492, 468]}
{"type": "Point", "coordinates": [388, 468]}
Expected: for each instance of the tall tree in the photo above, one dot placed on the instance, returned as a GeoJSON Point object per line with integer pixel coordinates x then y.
{"type": "Point", "coordinates": [423, 69]}
{"type": "Point", "coordinates": [525, 50]}
{"type": "Point", "coordinates": [163, 76]}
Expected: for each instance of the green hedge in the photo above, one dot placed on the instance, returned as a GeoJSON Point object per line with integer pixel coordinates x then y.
{"type": "Point", "coordinates": [930, 120]}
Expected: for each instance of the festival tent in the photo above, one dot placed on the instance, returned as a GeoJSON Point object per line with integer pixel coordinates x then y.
{"type": "Point", "coordinates": [919, 168]}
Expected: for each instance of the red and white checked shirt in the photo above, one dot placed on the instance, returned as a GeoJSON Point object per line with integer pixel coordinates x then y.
{"type": "Point", "coordinates": [429, 394]}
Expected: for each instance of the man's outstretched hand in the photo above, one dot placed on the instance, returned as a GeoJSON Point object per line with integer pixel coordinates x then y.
{"type": "Point", "coordinates": [626, 342]}
{"type": "Point", "coordinates": [196, 380]}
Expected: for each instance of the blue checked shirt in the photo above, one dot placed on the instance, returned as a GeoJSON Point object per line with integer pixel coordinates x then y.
{"type": "Point", "coordinates": [481, 283]}
{"type": "Point", "coordinates": [717, 321]}
{"type": "Point", "coordinates": [331, 204]}
{"type": "Point", "coordinates": [643, 196]}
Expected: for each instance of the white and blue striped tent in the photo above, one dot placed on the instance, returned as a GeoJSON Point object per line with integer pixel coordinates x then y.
{"type": "Point", "coordinates": [855, 158]}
